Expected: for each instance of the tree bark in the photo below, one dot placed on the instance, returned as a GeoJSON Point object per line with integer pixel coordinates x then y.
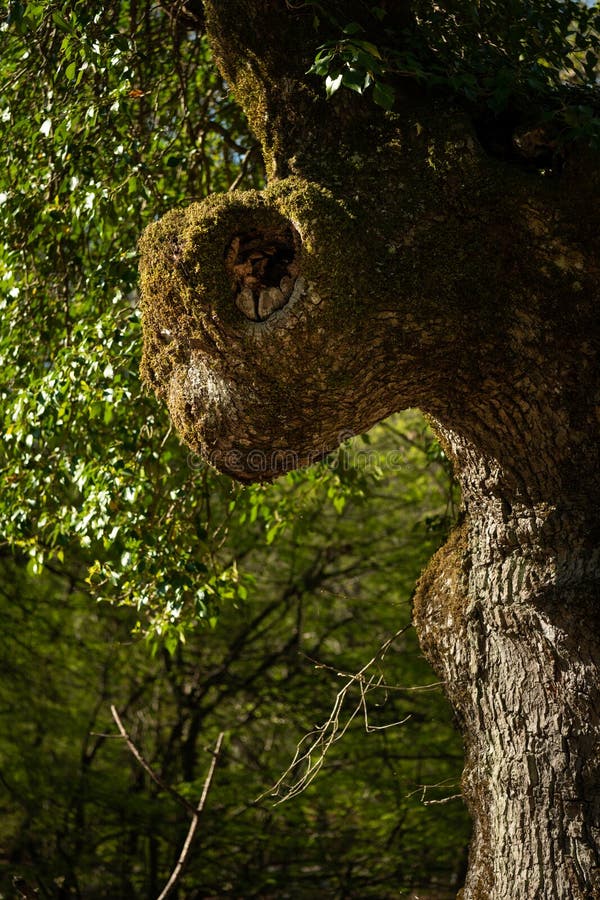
{"type": "Point", "coordinates": [391, 262]}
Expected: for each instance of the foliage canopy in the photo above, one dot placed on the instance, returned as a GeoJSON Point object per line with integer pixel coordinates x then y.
{"type": "Point", "coordinates": [503, 60]}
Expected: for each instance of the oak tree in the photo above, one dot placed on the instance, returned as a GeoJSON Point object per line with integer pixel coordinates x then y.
{"type": "Point", "coordinates": [439, 249]}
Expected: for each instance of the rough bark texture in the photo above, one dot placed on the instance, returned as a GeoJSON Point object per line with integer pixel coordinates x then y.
{"type": "Point", "coordinates": [391, 263]}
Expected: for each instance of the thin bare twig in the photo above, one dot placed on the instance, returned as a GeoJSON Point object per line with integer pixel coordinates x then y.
{"type": "Point", "coordinates": [176, 873]}
{"type": "Point", "coordinates": [147, 768]}
{"type": "Point", "coordinates": [423, 788]}
{"type": "Point", "coordinates": [244, 167]}
{"type": "Point", "coordinates": [443, 800]}
{"type": "Point", "coordinates": [340, 673]}
{"type": "Point", "coordinates": [308, 761]}
{"type": "Point", "coordinates": [194, 810]}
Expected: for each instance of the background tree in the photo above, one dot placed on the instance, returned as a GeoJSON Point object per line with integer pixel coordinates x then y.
{"type": "Point", "coordinates": [443, 255]}
{"type": "Point", "coordinates": [80, 818]}
{"type": "Point", "coordinates": [228, 608]}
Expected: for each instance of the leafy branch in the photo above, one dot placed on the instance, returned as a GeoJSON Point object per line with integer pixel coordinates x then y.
{"type": "Point", "coordinates": [495, 57]}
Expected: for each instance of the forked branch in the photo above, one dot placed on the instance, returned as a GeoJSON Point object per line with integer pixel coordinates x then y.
{"type": "Point", "coordinates": [314, 746]}
{"type": "Point", "coordinates": [194, 810]}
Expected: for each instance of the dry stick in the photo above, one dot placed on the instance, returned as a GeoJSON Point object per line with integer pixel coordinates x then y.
{"type": "Point", "coordinates": [243, 168]}
{"type": "Point", "coordinates": [322, 737]}
{"type": "Point", "coordinates": [195, 810]}
{"type": "Point", "coordinates": [147, 768]}
{"type": "Point", "coordinates": [176, 874]}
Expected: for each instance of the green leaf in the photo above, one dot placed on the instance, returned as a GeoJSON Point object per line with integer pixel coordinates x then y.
{"type": "Point", "coordinates": [378, 12]}
{"type": "Point", "coordinates": [322, 61]}
{"type": "Point", "coordinates": [332, 84]}
{"type": "Point", "coordinates": [383, 95]}
{"type": "Point", "coordinates": [62, 23]}
{"type": "Point", "coordinates": [369, 48]}
{"type": "Point", "coordinates": [353, 28]}
{"type": "Point", "coordinates": [171, 642]}
{"type": "Point", "coordinates": [353, 79]}
{"type": "Point", "coordinates": [339, 503]}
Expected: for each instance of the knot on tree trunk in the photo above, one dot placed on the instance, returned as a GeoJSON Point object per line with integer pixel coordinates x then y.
{"type": "Point", "coordinates": [251, 307]}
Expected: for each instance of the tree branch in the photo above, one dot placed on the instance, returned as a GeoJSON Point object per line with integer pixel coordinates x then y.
{"type": "Point", "coordinates": [304, 767]}
{"type": "Point", "coordinates": [147, 768]}
{"type": "Point", "coordinates": [195, 810]}
{"type": "Point", "coordinates": [177, 871]}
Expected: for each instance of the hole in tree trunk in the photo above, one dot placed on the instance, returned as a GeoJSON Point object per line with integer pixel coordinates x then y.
{"type": "Point", "coordinates": [263, 268]}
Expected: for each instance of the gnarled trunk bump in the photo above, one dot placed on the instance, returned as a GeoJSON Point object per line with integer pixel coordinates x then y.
{"type": "Point", "coordinates": [391, 263]}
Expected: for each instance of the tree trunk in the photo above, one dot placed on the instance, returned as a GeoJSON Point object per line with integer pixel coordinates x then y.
{"type": "Point", "coordinates": [507, 612]}
{"type": "Point", "coordinates": [391, 262]}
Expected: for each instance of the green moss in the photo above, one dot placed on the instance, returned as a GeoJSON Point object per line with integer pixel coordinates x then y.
{"type": "Point", "coordinates": [440, 597]}
{"type": "Point", "coordinates": [330, 231]}
{"type": "Point", "coordinates": [187, 292]}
